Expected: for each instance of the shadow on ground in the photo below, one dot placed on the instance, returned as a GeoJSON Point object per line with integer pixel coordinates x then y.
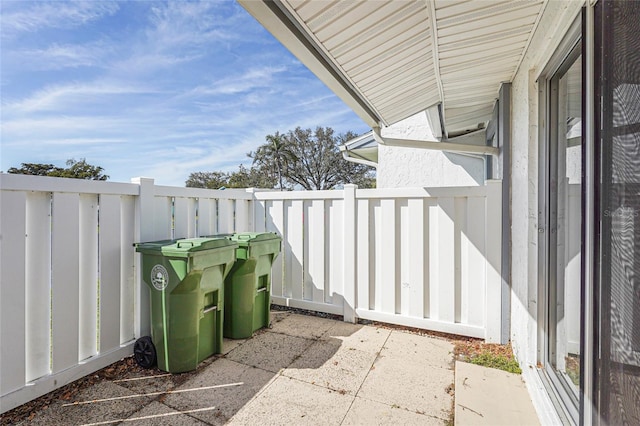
{"type": "Point", "coordinates": [304, 369]}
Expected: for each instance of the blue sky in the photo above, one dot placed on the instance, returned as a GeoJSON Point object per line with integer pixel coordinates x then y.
{"type": "Point", "coordinates": [155, 89]}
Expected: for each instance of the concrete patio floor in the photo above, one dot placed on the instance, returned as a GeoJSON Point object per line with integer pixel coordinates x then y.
{"type": "Point", "coordinates": [303, 370]}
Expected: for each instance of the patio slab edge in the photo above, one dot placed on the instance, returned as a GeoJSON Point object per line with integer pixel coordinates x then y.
{"type": "Point", "coordinates": [486, 396]}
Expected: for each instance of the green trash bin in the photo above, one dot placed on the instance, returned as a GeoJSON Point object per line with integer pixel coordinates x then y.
{"type": "Point", "coordinates": [248, 286]}
{"type": "Point", "coordinates": [186, 279]}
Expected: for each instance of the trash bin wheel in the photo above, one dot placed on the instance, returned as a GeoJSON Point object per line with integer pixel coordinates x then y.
{"type": "Point", "coordinates": [145, 352]}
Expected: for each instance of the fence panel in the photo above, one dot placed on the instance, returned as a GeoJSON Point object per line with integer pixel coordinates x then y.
{"type": "Point", "coordinates": [111, 250]}
{"type": "Point", "coordinates": [259, 216]}
{"type": "Point", "coordinates": [12, 296]}
{"type": "Point", "coordinates": [314, 231]}
{"type": "Point", "coordinates": [423, 256]}
{"type": "Point", "coordinates": [445, 247]}
{"type": "Point", "coordinates": [387, 283]}
{"type": "Point", "coordinates": [365, 250]}
{"type": "Point", "coordinates": [207, 217]}
{"type": "Point", "coordinates": [296, 250]}
{"type": "Point", "coordinates": [127, 268]}
{"type": "Point", "coordinates": [73, 302]}
{"type": "Point", "coordinates": [37, 283]}
{"type": "Point", "coordinates": [417, 268]}
{"type": "Point", "coordinates": [225, 217]}
{"type": "Point", "coordinates": [88, 269]}
{"type": "Point", "coordinates": [162, 218]}
{"type": "Point", "coordinates": [65, 280]}
{"type": "Point", "coordinates": [333, 290]}
{"type": "Point", "coordinates": [65, 243]}
{"type": "Point", "coordinates": [473, 257]}
{"type": "Point", "coordinates": [243, 221]}
{"type": "Point", "coordinates": [275, 223]}
{"type": "Point", "coordinates": [184, 217]}
{"type": "Point", "coordinates": [309, 272]}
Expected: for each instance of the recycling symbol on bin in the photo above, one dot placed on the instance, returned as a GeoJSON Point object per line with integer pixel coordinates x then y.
{"type": "Point", "coordinates": [159, 277]}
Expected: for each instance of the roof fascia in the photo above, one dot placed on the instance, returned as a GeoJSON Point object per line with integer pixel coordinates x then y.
{"type": "Point", "coordinates": [359, 141]}
{"type": "Point", "coordinates": [461, 148]}
{"type": "Point", "coordinates": [355, 158]}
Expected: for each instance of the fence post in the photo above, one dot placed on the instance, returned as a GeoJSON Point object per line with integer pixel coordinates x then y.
{"type": "Point", "coordinates": [144, 231]}
{"type": "Point", "coordinates": [349, 244]}
{"type": "Point", "coordinates": [493, 282]}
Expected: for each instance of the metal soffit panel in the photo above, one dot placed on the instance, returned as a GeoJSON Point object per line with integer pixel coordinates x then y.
{"type": "Point", "coordinates": [401, 65]}
{"type": "Point", "coordinates": [480, 44]}
{"type": "Point", "coordinates": [383, 48]}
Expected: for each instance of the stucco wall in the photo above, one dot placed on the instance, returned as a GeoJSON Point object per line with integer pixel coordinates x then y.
{"type": "Point", "coordinates": [555, 22]}
{"type": "Point", "coordinates": [402, 167]}
{"type": "Point", "coordinates": [405, 167]}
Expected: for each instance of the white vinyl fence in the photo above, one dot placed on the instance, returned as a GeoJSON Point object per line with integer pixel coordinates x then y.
{"type": "Point", "coordinates": [421, 257]}
{"type": "Point", "coordinates": [72, 302]}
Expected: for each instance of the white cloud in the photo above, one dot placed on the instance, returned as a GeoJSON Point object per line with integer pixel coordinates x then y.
{"type": "Point", "coordinates": [62, 97]}
{"type": "Point", "coordinates": [60, 56]}
{"type": "Point", "coordinates": [188, 23]}
{"type": "Point", "coordinates": [160, 144]}
{"type": "Point", "coordinates": [171, 89]}
{"type": "Point", "coordinates": [179, 32]}
{"type": "Point", "coordinates": [149, 62]}
{"type": "Point", "coordinates": [36, 131]}
{"type": "Point", "coordinates": [250, 80]}
{"type": "Point", "coordinates": [83, 141]}
{"type": "Point", "coordinates": [56, 14]}
{"type": "Point", "coordinates": [173, 166]}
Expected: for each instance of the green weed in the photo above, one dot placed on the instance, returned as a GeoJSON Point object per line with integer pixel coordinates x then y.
{"type": "Point", "coordinates": [499, 362]}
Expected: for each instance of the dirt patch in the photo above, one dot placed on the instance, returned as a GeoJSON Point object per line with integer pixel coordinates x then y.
{"type": "Point", "coordinates": [278, 308]}
{"type": "Point", "coordinates": [422, 332]}
{"type": "Point", "coordinates": [468, 348]}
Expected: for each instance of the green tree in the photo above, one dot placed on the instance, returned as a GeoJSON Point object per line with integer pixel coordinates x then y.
{"type": "Point", "coordinates": [275, 155]}
{"type": "Point", "coordinates": [75, 169]}
{"type": "Point", "coordinates": [209, 180]}
{"type": "Point", "coordinates": [252, 177]}
{"type": "Point", "coordinates": [244, 177]}
{"type": "Point", "coordinates": [82, 170]}
{"type": "Point", "coordinates": [301, 158]}
{"type": "Point", "coordinates": [359, 174]}
{"type": "Point", "coordinates": [35, 169]}
{"type": "Point", "coordinates": [317, 162]}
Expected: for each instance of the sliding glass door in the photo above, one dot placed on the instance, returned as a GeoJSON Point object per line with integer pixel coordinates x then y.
{"type": "Point", "coordinates": [608, 274]}
{"type": "Point", "coordinates": [565, 198]}
{"type": "Point", "coordinates": [561, 223]}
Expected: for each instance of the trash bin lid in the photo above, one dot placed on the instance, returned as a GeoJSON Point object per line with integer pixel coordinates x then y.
{"type": "Point", "coordinates": [185, 246]}
{"type": "Point", "coordinates": [244, 239]}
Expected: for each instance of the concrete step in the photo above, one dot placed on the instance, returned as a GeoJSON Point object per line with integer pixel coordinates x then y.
{"type": "Point", "coordinates": [486, 396]}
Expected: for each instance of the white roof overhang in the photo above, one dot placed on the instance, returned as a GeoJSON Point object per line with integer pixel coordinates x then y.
{"type": "Point", "coordinates": [388, 60]}
{"type": "Point", "coordinates": [362, 149]}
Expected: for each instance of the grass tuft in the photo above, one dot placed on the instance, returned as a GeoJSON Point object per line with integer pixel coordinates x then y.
{"type": "Point", "coordinates": [490, 355]}
{"type": "Point", "coordinates": [500, 362]}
